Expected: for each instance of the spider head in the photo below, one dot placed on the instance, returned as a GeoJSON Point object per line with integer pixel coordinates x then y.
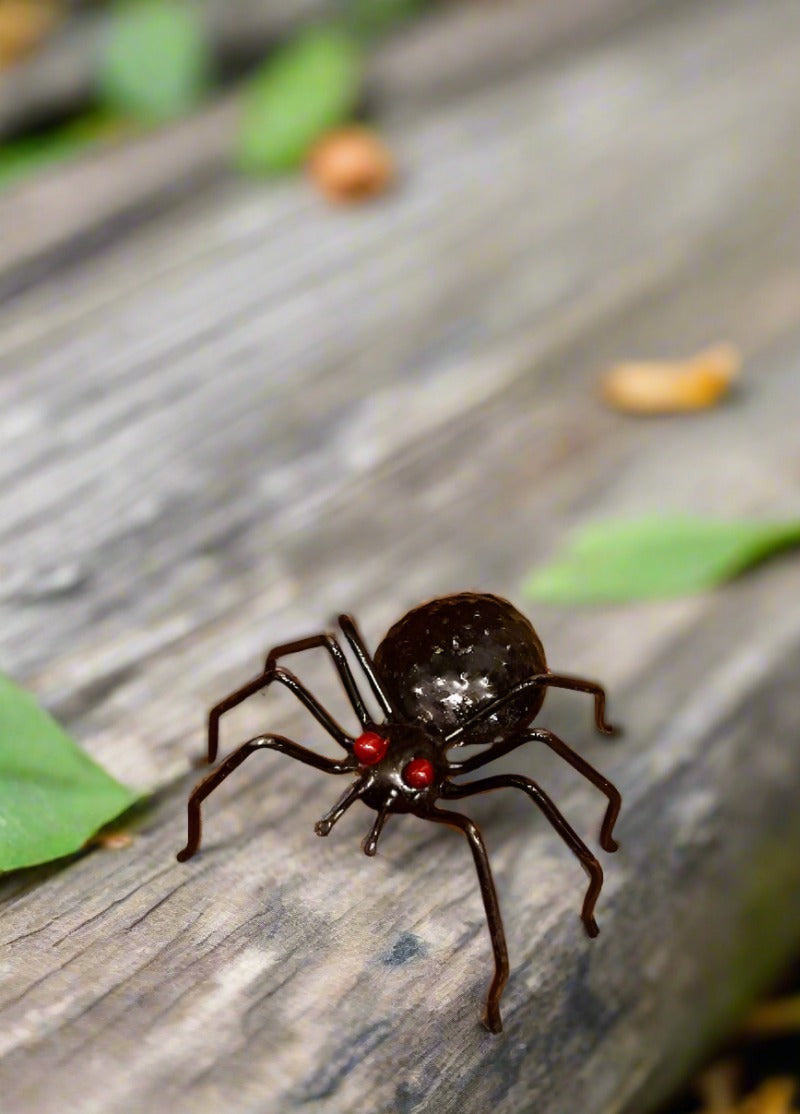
{"type": "Point", "coordinates": [403, 764]}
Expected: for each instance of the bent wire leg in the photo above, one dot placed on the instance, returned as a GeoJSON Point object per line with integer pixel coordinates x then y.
{"type": "Point", "coordinates": [578, 684]}
{"type": "Point", "coordinates": [264, 680]}
{"type": "Point", "coordinates": [607, 841]}
{"type": "Point", "coordinates": [350, 795]}
{"type": "Point", "coordinates": [540, 680]}
{"type": "Point", "coordinates": [492, 1019]}
{"type": "Point", "coordinates": [370, 844]}
{"type": "Point", "coordinates": [359, 648]}
{"type": "Point", "coordinates": [260, 742]}
{"type": "Point", "coordinates": [329, 643]}
{"type": "Point", "coordinates": [542, 735]}
{"type": "Point", "coordinates": [588, 861]}
{"type": "Point", "coordinates": [484, 757]}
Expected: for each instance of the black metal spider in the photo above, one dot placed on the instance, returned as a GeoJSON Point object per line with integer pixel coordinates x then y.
{"type": "Point", "coordinates": [461, 669]}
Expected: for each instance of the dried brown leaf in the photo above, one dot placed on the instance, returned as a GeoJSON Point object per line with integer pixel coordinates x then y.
{"type": "Point", "coordinates": [774, 1096]}
{"type": "Point", "coordinates": [781, 1017]}
{"type": "Point", "coordinates": [718, 1087]}
{"type": "Point", "coordinates": [23, 25]}
{"type": "Point", "coordinates": [661, 387]}
{"type": "Point", "coordinates": [113, 841]}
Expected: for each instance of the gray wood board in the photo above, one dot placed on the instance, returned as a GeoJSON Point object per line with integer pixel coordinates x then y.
{"type": "Point", "coordinates": [253, 411]}
{"type": "Point", "coordinates": [454, 51]}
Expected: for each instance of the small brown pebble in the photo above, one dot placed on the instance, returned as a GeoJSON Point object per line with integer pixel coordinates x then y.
{"type": "Point", "coordinates": [351, 164]}
{"type": "Point", "coordinates": [662, 387]}
{"type": "Point", "coordinates": [114, 841]}
{"type": "Point", "coordinates": [23, 24]}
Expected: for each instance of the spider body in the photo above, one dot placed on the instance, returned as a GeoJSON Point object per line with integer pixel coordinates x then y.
{"type": "Point", "coordinates": [462, 669]}
{"type": "Point", "coordinates": [449, 658]}
{"type": "Point", "coordinates": [408, 775]}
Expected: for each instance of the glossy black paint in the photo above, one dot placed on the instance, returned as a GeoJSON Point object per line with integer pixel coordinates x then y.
{"type": "Point", "coordinates": [447, 660]}
{"type": "Point", "coordinates": [462, 669]}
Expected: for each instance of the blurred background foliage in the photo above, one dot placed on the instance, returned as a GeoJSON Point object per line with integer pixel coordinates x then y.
{"type": "Point", "coordinates": [146, 63]}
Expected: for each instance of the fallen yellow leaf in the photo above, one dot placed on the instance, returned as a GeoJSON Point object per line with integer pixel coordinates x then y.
{"type": "Point", "coordinates": [660, 387]}
{"type": "Point", "coordinates": [774, 1096]}
{"type": "Point", "coordinates": [718, 1087]}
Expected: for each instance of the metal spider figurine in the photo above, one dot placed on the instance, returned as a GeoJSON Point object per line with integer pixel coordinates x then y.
{"type": "Point", "coordinates": [462, 669]}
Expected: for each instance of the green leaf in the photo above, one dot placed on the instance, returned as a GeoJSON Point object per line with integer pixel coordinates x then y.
{"type": "Point", "coordinates": [304, 90]}
{"type": "Point", "coordinates": [22, 157]}
{"type": "Point", "coordinates": [156, 61]}
{"type": "Point", "coordinates": [53, 797]}
{"type": "Point", "coordinates": [656, 557]}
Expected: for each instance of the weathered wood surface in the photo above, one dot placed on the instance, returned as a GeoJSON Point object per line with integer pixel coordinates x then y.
{"type": "Point", "coordinates": [250, 411]}
{"type": "Point", "coordinates": [57, 215]}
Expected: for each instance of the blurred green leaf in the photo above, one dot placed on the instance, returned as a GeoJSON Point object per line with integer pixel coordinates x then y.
{"type": "Point", "coordinates": [302, 91]}
{"type": "Point", "coordinates": [53, 797]}
{"type": "Point", "coordinates": [23, 157]}
{"type": "Point", "coordinates": [156, 61]}
{"type": "Point", "coordinates": [656, 557]}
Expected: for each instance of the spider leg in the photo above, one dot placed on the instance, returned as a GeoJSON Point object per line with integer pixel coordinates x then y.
{"type": "Point", "coordinates": [540, 734]}
{"type": "Point", "coordinates": [350, 795]}
{"type": "Point", "coordinates": [260, 742]}
{"type": "Point", "coordinates": [578, 684]}
{"type": "Point", "coordinates": [588, 861]}
{"type": "Point", "coordinates": [370, 844]}
{"type": "Point", "coordinates": [607, 841]}
{"type": "Point", "coordinates": [540, 680]}
{"type": "Point", "coordinates": [262, 681]}
{"type": "Point", "coordinates": [359, 648]}
{"type": "Point", "coordinates": [484, 757]}
{"type": "Point", "coordinates": [328, 641]}
{"type": "Point", "coordinates": [492, 1019]}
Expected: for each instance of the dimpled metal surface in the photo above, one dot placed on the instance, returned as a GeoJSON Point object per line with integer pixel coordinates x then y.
{"type": "Point", "coordinates": [451, 656]}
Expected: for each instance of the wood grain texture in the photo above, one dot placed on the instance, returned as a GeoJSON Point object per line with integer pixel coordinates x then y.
{"type": "Point", "coordinates": [454, 51]}
{"type": "Point", "coordinates": [252, 411]}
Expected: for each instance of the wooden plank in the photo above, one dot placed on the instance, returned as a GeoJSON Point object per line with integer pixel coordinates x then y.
{"type": "Point", "coordinates": [255, 412]}
{"type": "Point", "coordinates": [46, 222]}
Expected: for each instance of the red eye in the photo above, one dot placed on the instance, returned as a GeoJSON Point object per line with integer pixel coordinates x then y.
{"type": "Point", "coordinates": [370, 748]}
{"type": "Point", "coordinates": [418, 774]}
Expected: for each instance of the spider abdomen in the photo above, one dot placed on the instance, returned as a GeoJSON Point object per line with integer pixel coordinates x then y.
{"type": "Point", "coordinates": [447, 659]}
